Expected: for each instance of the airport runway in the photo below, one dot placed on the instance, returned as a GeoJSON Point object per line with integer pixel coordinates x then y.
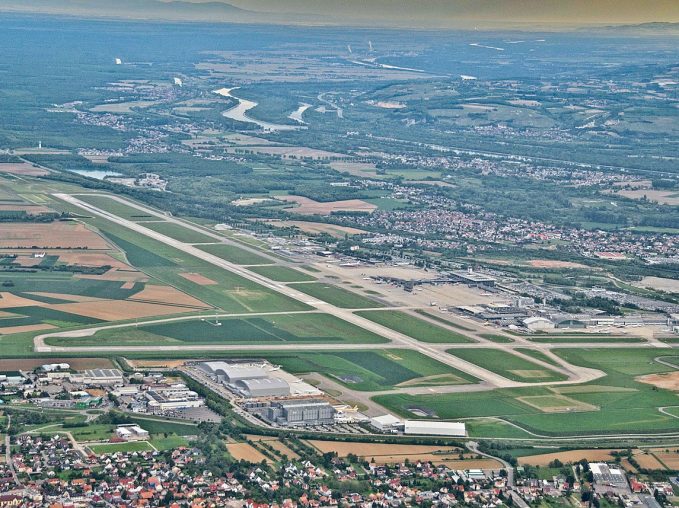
{"type": "Point", "coordinates": [396, 339]}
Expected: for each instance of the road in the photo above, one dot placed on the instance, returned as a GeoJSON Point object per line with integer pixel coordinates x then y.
{"type": "Point", "coordinates": [474, 447]}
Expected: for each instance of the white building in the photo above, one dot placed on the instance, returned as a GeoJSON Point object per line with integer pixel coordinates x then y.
{"type": "Point", "coordinates": [172, 397]}
{"type": "Point", "coordinates": [435, 428]}
{"type": "Point", "coordinates": [132, 433]}
{"type": "Point", "coordinates": [538, 324]}
{"type": "Point", "coordinates": [98, 377]}
{"type": "Point", "coordinates": [386, 423]}
{"type": "Point", "coordinates": [126, 390]}
{"type": "Point", "coordinates": [51, 367]}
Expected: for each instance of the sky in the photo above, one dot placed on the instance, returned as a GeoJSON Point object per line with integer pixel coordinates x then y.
{"type": "Point", "coordinates": [468, 14]}
{"type": "Point", "coordinates": [496, 11]}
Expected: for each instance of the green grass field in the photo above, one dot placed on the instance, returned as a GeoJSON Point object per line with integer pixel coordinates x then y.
{"type": "Point", "coordinates": [626, 405]}
{"type": "Point", "coordinates": [115, 207]}
{"type": "Point", "coordinates": [413, 327]}
{"type": "Point", "coordinates": [508, 365]}
{"type": "Point", "coordinates": [178, 232]}
{"type": "Point", "coordinates": [373, 370]}
{"type": "Point", "coordinates": [582, 339]}
{"type": "Point", "coordinates": [537, 355]}
{"type": "Point", "coordinates": [443, 320]}
{"type": "Point", "coordinates": [336, 296]}
{"type": "Point", "coordinates": [500, 339]}
{"type": "Point", "coordinates": [234, 254]}
{"type": "Point", "coordinates": [133, 446]}
{"type": "Point", "coordinates": [293, 328]}
{"type": "Point", "coordinates": [281, 273]}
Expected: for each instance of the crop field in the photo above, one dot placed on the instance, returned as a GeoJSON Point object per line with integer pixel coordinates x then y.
{"type": "Point", "coordinates": [232, 293]}
{"type": "Point", "coordinates": [178, 232]}
{"type": "Point", "coordinates": [281, 273]}
{"type": "Point", "coordinates": [307, 206]}
{"type": "Point", "coordinates": [373, 370]}
{"type": "Point", "coordinates": [625, 405]}
{"type": "Point", "coordinates": [58, 235]}
{"type": "Point", "coordinates": [234, 254]}
{"type": "Point", "coordinates": [450, 456]}
{"type": "Point", "coordinates": [413, 327]}
{"type": "Point", "coordinates": [508, 365]}
{"type": "Point", "coordinates": [299, 328]}
{"type": "Point", "coordinates": [245, 451]}
{"type": "Point", "coordinates": [41, 301]}
{"type": "Point", "coordinates": [316, 228]}
{"type": "Point", "coordinates": [336, 296]}
{"type": "Point", "coordinates": [591, 455]}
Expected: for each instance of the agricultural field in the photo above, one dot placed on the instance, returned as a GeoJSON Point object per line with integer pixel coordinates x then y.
{"type": "Point", "coordinates": [380, 453]}
{"type": "Point", "coordinates": [278, 329]}
{"type": "Point", "coordinates": [235, 254]}
{"type": "Point", "coordinates": [45, 300]}
{"type": "Point", "coordinates": [591, 455]}
{"type": "Point", "coordinates": [623, 404]}
{"type": "Point", "coordinates": [373, 370]}
{"type": "Point", "coordinates": [231, 292]}
{"type": "Point", "coordinates": [413, 327]}
{"type": "Point", "coordinates": [337, 296]}
{"type": "Point", "coordinates": [245, 451]}
{"type": "Point", "coordinates": [508, 365]}
{"type": "Point", "coordinates": [57, 235]}
{"type": "Point", "coordinates": [282, 273]}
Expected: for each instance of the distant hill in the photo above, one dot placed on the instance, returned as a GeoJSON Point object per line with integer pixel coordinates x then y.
{"type": "Point", "coordinates": [465, 14]}
{"type": "Point", "coordinates": [645, 28]}
{"type": "Point", "coordinates": [132, 9]}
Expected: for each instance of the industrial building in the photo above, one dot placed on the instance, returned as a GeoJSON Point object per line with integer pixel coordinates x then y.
{"type": "Point", "coordinates": [473, 279]}
{"type": "Point", "coordinates": [98, 377]}
{"type": "Point", "coordinates": [172, 397]}
{"type": "Point", "coordinates": [536, 324]}
{"type": "Point", "coordinates": [387, 423]}
{"type": "Point", "coordinates": [131, 433]}
{"type": "Point", "coordinates": [229, 373]}
{"type": "Point", "coordinates": [267, 387]}
{"type": "Point", "coordinates": [434, 428]}
{"type": "Point", "coordinates": [294, 413]}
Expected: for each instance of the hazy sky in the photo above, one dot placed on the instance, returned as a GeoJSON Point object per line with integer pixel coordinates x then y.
{"type": "Point", "coordinates": [407, 13]}
{"type": "Point", "coordinates": [450, 11]}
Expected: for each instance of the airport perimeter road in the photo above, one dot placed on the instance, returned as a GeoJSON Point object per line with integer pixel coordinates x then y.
{"type": "Point", "coordinates": [578, 374]}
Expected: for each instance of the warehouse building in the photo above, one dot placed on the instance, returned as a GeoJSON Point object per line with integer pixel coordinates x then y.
{"type": "Point", "coordinates": [131, 433]}
{"type": "Point", "coordinates": [433, 428]}
{"type": "Point", "coordinates": [301, 412]}
{"type": "Point", "coordinates": [229, 373]}
{"type": "Point", "coordinates": [266, 387]}
{"type": "Point", "coordinates": [473, 279]}
{"type": "Point", "coordinates": [172, 397]}
{"type": "Point", "coordinates": [98, 377]}
{"type": "Point", "coordinates": [387, 423]}
{"type": "Point", "coordinates": [293, 413]}
{"type": "Point", "coordinates": [536, 324]}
